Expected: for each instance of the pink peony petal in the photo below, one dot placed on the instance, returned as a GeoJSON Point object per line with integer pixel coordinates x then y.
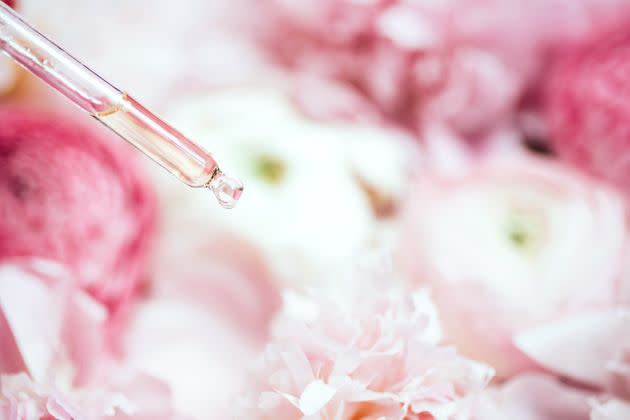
{"type": "Point", "coordinates": [579, 347]}
{"type": "Point", "coordinates": [534, 397]}
{"type": "Point", "coordinates": [315, 396]}
{"type": "Point", "coordinates": [34, 314]}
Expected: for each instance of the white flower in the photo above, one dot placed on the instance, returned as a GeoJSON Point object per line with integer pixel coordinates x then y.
{"type": "Point", "coordinates": [311, 189]}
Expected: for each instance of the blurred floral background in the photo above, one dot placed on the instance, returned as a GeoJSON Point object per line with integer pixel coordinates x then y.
{"type": "Point", "coordinates": [434, 224]}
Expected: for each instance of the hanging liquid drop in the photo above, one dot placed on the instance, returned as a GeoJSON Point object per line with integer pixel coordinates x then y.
{"type": "Point", "coordinates": [226, 189]}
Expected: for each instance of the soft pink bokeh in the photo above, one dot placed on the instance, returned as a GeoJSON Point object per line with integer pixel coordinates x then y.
{"type": "Point", "coordinates": [76, 196]}
{"type": "Point", "coordinates": [507, 247]}
{"type": "Point", "coordinates": [464, 63]}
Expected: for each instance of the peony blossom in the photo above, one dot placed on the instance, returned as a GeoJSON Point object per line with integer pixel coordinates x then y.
{"type": "Point", "coordinates": [463, 63]}
{"type": "Point", "coordinates": [587, 109]}
{"type": "Point", "coordinates": [306, 181]}
{"type": "Point", "coordinates": [364, 354]}
{"type": "Point", "coordinates": [73, 195]}
{"type": "Point", "coordinates": [510, 246]}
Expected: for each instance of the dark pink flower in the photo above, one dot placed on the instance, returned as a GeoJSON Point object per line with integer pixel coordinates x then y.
{"type": "Point", "coordinates": [75, 196]}
{"type": "Point", "coordinates": [588, 107]}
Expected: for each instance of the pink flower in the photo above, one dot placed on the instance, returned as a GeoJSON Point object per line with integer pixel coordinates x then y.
{"type": "Point", "coordinates": [361, 355]}
{"type": "Point", "coordinates": [588, 110]}
{"type": "Point", "coordinates": [512, 246]}
{"type": "Point", "coordinates": [75, 196]}
{"type": "Point", "coordinates": [464, 63]}
{"type": "Point", "coordinates": [57, 360]}
{"type": "Point", "coordinates": [47, 326]}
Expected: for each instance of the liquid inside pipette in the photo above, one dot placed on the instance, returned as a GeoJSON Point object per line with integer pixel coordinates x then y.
{"type": "Point", "coordinates": [171, 149]}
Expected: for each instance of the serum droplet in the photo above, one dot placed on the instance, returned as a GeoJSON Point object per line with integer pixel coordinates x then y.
{"type": "Point", "coordinates": [226, 189]}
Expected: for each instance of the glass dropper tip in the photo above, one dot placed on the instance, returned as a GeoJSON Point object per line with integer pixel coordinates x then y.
{"type": "Point", "coordinates": [226, 189]}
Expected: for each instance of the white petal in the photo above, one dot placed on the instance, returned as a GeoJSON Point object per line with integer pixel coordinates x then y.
{"type": "Point", "coordinates": [315, 396]}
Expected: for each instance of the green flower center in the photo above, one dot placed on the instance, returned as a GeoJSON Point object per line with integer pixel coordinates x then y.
{"type": "Point", "coordinates": [270, 169]}
{"type": "Point", "coordinates": [525, 229]}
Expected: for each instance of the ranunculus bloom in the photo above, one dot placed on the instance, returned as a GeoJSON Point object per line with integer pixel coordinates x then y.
{"type": "Point", "coordinates": [76, 196]}
{"type": "Point", "coordinates": [588, 110]}
{"type": "Point", "coordinates": [313, 197]}
{"type": "Point", "coordinates": [464, 63]}
{"type": "Point", "coordinates": [362, 354]}
{"type": "Point", "coordinates": [511, 246]}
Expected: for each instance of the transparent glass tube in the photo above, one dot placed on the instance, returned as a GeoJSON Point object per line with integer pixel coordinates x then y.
{"type": "Point", "coordinates": [114, 108]}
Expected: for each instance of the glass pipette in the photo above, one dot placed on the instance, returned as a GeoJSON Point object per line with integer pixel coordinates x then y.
{"type": "Point", "coordinates": [114, 108]}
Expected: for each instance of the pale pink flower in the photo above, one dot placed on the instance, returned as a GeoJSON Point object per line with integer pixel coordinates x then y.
{"type": "Point", "coordinates": [57, 360]}
{"type": "Point", "coordinates": [76, 196]}
{"type": "Point", "coordinates": [366, 354]}
{"type": "Point", "coordinates": [48, 327]}
{"type": "Point", "coordinates": [509, 246]}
